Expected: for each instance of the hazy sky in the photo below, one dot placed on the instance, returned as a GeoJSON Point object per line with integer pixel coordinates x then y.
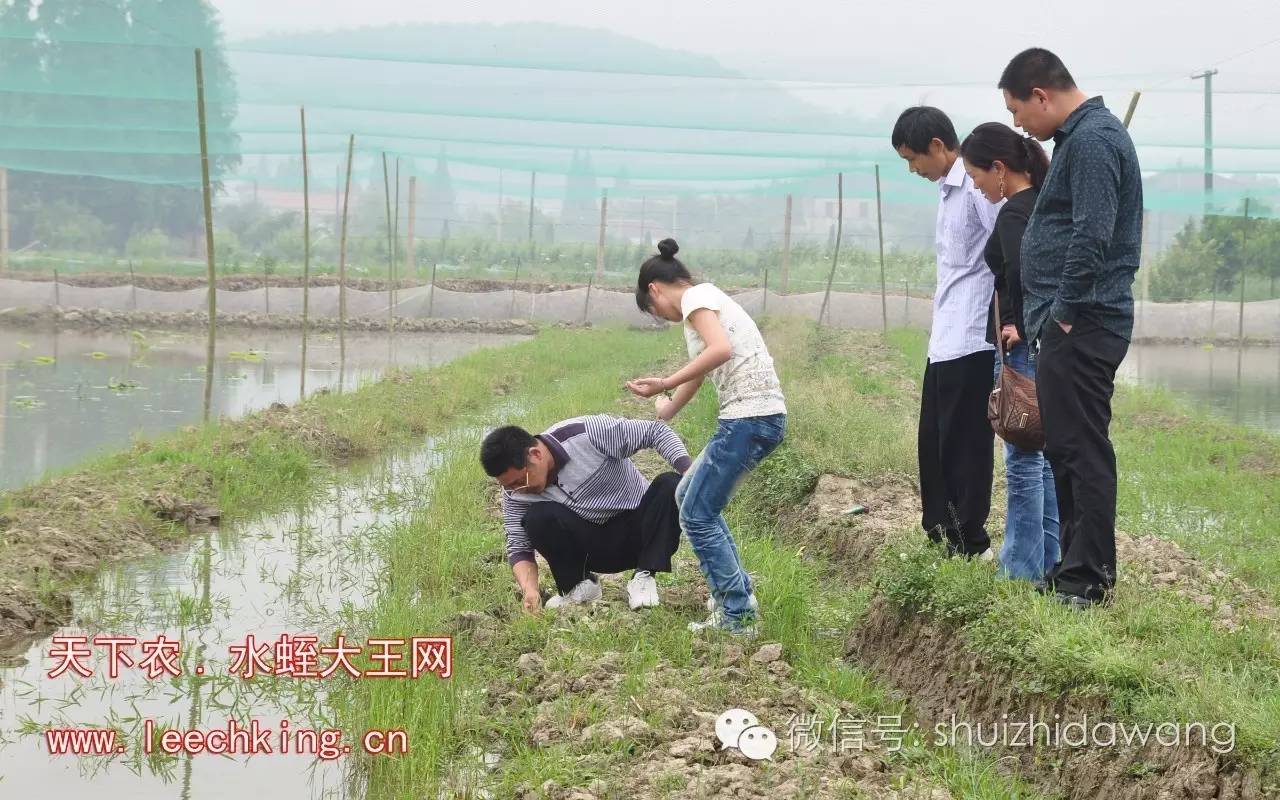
{"type": "Point", "coordinates": [872, 41]}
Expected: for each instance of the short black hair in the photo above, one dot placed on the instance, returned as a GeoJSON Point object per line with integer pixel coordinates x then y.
{"type": "Point", "coordinates": [1035, 68]}
{"type": "Point", "coordinates": [505, 448]}
{"type": "Point", "coordinates": [919, 125]}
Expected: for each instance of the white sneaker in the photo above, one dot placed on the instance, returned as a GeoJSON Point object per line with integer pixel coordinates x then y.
{"type": "Point", "coordinates": [718, 621]}
{"type": "Point", "coordinates": [752, 603]}
{"type": "Point", "coordinates": [987, 555]}
{"type": "Point", "coordinates": [642, 590]}
{"type": "Point", "coordinates": [585, 593]}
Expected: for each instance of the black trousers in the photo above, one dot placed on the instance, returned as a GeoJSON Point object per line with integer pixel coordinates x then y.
{"type": "Point", "coordinates": [1075, 379]}
{"type": "Point", "coordinates": [644, 538]}
{"type": "Point", "coordinates": [956, 452]}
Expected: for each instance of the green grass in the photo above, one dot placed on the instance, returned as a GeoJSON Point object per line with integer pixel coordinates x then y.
{"type": "Point", "coordinates": [1153, 655]}
{"type": "Point", "coordinates": [1211, 486]}
{"type": "Point", "coordinates": [444, 566]}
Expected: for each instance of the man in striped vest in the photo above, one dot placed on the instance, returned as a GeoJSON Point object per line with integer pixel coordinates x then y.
{"type": "Point", "coordinates": [572, 495]}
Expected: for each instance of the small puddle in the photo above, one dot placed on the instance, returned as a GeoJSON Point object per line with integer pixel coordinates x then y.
{"type": "Point", "coordinates": [302, 571]}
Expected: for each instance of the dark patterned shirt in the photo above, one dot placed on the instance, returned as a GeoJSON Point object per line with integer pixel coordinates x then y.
{"type": "Point", "coordinates": [1084, 240]}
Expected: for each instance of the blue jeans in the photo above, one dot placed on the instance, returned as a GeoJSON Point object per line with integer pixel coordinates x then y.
{"type": "Point", "coordinates": [1030, 546]}
{"type": "Point", "coordinates": [736, 448]}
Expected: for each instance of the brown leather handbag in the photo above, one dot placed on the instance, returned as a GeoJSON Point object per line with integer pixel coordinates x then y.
{"type": "Point", "coordinates": [1013, 407]}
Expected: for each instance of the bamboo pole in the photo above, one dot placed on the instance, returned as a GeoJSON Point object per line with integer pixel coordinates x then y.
{"type": "Point", "coordinates": [342, 269]}
{"type": "Point", "coordinates": [306, 254]}
{"type": "Point", "coordinates": [395, 241]}
{"type": "Point", "coordinates": [586, 306]}
{"type": "Point", "coordinates": [764, 298]}
{"type": "Point", "coordinates": [835, 256]}
{"type": "Point", "coordinates": [57, 294]}
{"type": "Point", "coordinates": [884, 301]}
{"type": "Point", "coordinates": [431, 295]}
{"type": "Point", "coordinates": [410, 249]}
{"type": "Point", "coordinates": [210, 346]}
{"type": "Point", "coordinates": [391, 259]}
{"type": "Point", "coordinates": [1244, 241]}
{"type": "Point", "coordinates": [133, 287]}
{"type": "Point", "coordinates": [786, 246]}
{"type": "Point", "coordinates": [604, 216]}
{"type": "Point", "coordinates": [515, 284]}
{"type": "Point", "coordinates": [1133, 105]}
{"type": "Point", "coordinates": [4, 219]}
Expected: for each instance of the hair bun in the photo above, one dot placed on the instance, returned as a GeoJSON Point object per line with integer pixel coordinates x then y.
{"type": "Point", "coordinates": [668, 248]}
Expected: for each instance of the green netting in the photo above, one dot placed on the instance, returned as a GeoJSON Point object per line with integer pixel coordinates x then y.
{"type": "Point", "coordinates": [98, 133]}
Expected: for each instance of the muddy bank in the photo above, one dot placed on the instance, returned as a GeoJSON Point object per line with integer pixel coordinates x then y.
{"type": "Point", "coordinates": [943, 679]}
{"type": "Point", "coordinates": [244, 283]}
{"type": "Point", "coordinates": [54, 532]}
{"type": "Point", "coordinates": [104, 319]}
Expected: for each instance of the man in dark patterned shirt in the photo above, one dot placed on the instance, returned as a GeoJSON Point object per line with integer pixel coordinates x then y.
{"type": "Point", "coordinates": [1079, 255]}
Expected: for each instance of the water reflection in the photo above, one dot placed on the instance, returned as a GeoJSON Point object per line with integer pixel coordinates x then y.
{"type": "Point", "coordinates": [98, 390]}
{"type": "Point", "coordinates": [1241, 384]}
{"type": "Point", "coordinates": [301, 571]}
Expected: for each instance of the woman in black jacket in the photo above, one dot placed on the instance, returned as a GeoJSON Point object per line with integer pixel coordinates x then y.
{"type": "Point", "coordinates": [1009, 168]}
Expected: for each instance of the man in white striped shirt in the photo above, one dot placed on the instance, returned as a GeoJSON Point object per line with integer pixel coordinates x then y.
{"type": "Point", "coordinates": [572, 495]}
{"type": "Point", "coordinates": [955, 440]}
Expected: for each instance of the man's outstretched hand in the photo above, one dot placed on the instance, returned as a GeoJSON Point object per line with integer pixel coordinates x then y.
{"type": "Point", "coordinates": [532, 602]}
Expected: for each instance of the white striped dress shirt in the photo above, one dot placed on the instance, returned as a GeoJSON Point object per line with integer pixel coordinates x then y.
{"type": "Point", "coordinates": [965, 285]}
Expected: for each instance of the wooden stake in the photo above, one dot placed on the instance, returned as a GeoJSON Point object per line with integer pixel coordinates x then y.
{"type": "Point", "coordinates": [395, 242]}
{"type": "Point", "coordinates": [884, 302]}
{"type": "Point", "coordinates": [586, 306]}
{"type": "Point", "coordinates": [57, 295]}
{"type": "Point", "coordinates": [604, 215]}
{"type": "Point", "coordinates": [515, 284]}
{"type": "Point", "coordinates": [410, 256]}
{"type": "Point", "coordinates": [835, 256]}
{"type": "Point", "coordinates": [133, 286]}
{"type": "Point", "coordinates": [306, 254]}
{"type": "Point", "coordinates": [1133, 105]}
{"type": "Point", "coordinates": [1244, 241]}
{"type": "Point", "coordinates": [391, 259]}
{"type": "Point", "coordinates": [342, 268]}
{"type": "Point", "coordinates": [431, 296]}
{"type": "Point", "coordinates": [210, 346]}
{"type": "Point", "coordinates": [4, 219]}
{"type": "Point", "coordinates": [786, 246]}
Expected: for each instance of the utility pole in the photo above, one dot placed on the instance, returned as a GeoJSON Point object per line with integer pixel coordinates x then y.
{"type": "Point", "coordinates": [1207, 75]}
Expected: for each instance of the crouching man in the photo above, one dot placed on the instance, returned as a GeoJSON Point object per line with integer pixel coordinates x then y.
{"type": "Point", "coordinates": [573, 495]}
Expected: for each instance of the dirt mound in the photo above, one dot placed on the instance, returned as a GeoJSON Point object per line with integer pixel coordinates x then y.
{"type": "Point", "coordinates": [1152, 560]}
{"type": "Point", "coordinates": [669, 727]}
{"type": "Point", "coordinates": [852, 538]}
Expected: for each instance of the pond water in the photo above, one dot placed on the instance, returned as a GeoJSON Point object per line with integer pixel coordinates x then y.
{"type": "Point", "coordinates": [67, 396]}
{"type": "Point", "coordinates": [300, 571]}
{"type": "Point", "coordinates": [1241, 385]}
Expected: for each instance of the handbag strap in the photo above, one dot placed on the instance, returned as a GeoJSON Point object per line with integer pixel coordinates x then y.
{"type": "Point", "coordinates": [999, 332]}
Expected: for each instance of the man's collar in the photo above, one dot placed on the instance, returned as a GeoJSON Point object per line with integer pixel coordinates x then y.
{"type": "Point", "coordinates": [1073, 119]}
{"type": "Point", "coordinates": [558, 455]}
{"type": "Point", "coordinates": [955, 176]}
